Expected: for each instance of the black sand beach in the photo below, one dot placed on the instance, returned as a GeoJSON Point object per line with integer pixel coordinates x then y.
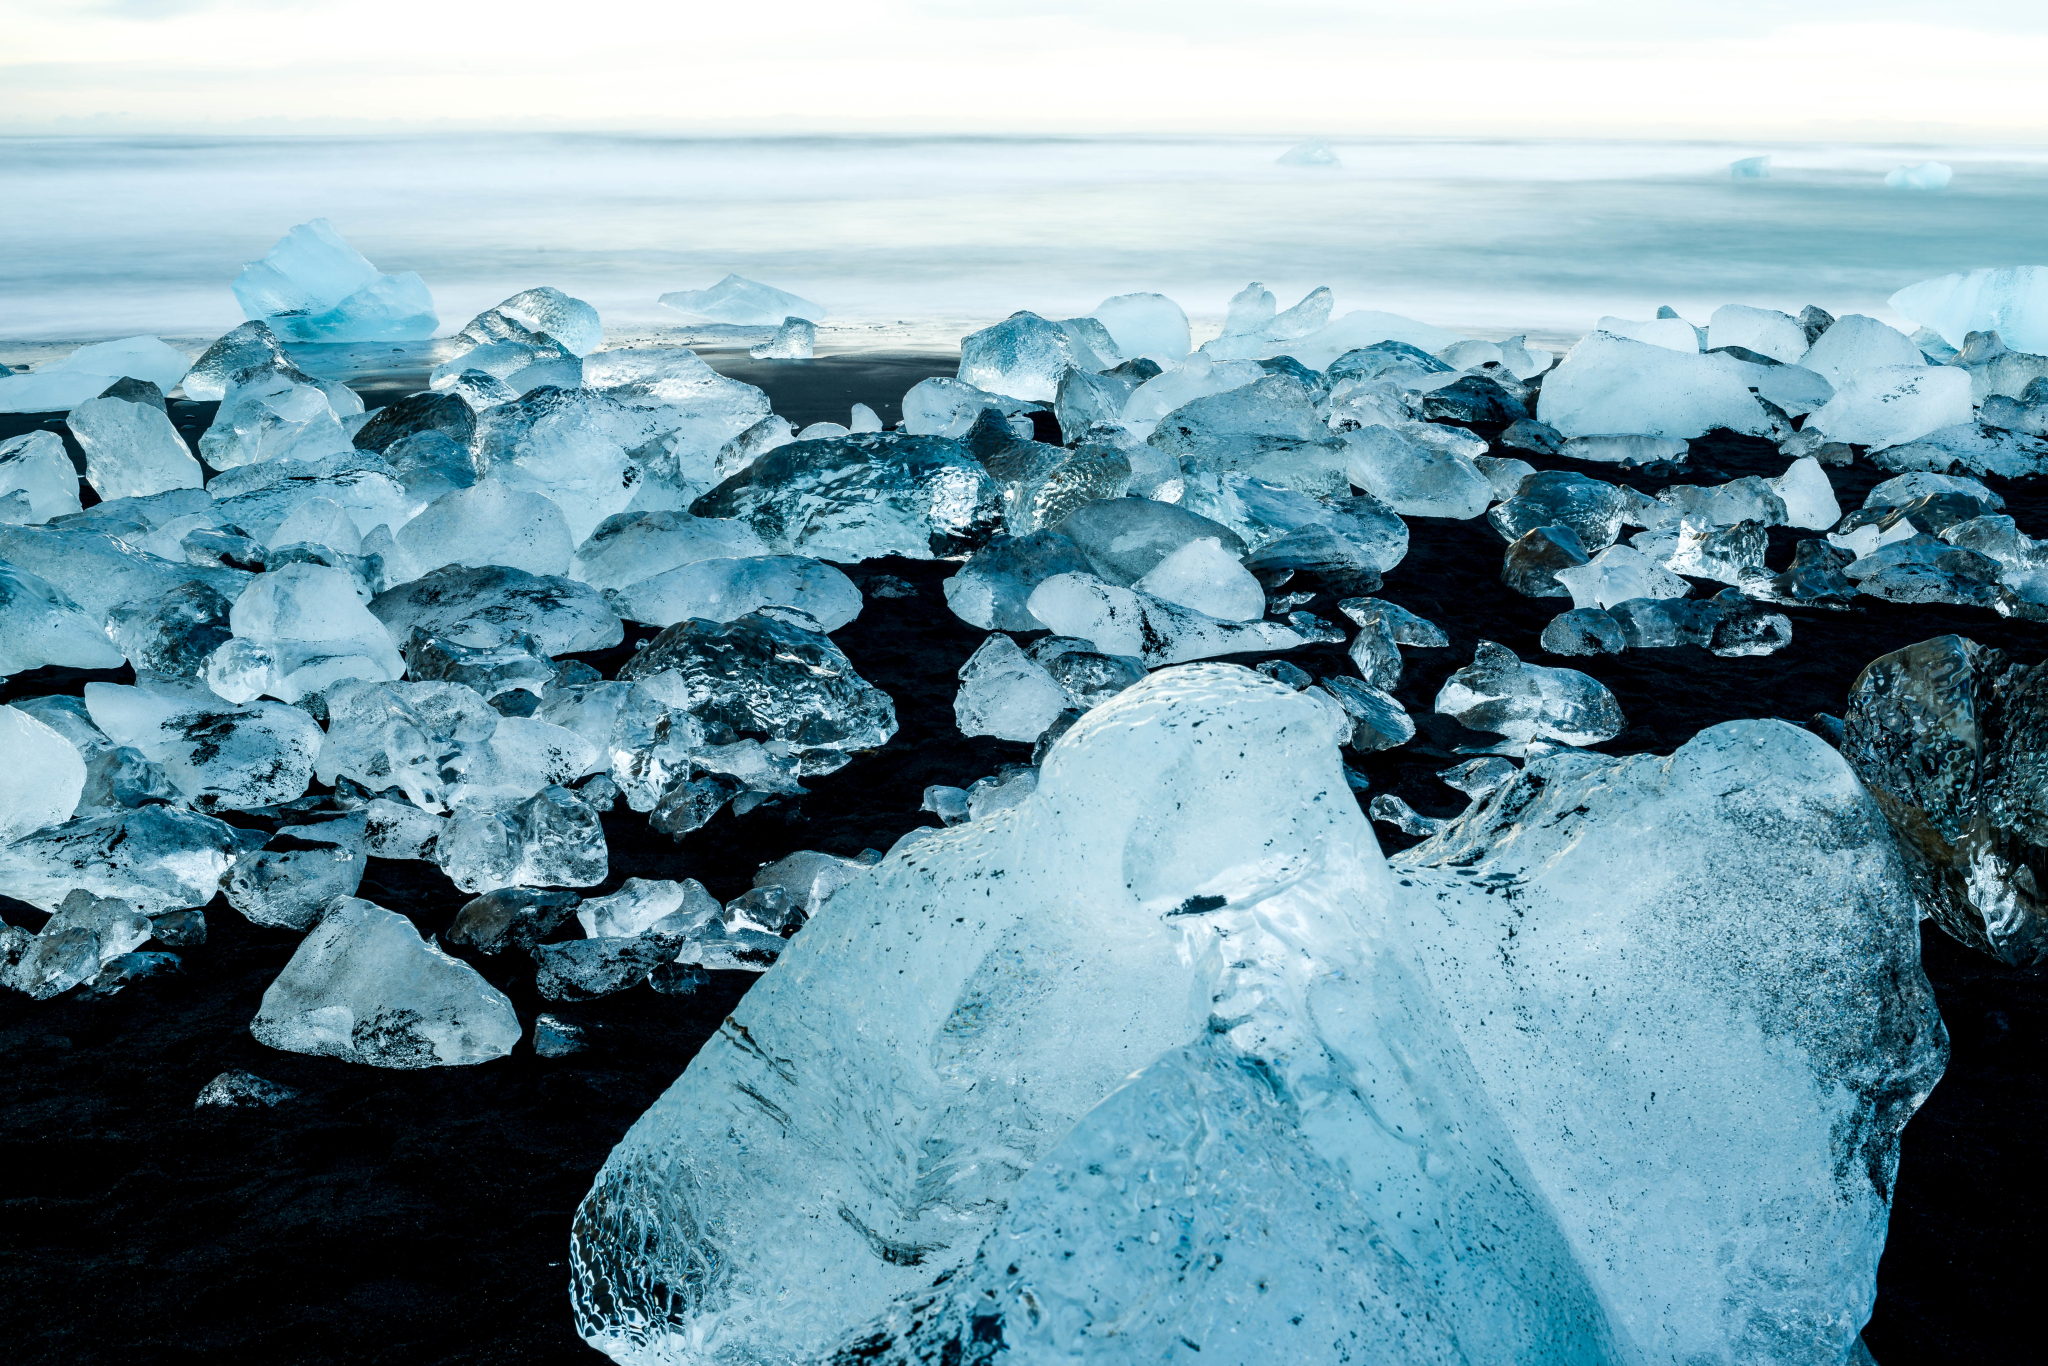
{"type": "Point", "coordinates": [417, 1217]}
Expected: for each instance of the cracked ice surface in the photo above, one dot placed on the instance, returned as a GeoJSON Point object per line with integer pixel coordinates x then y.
{"type": "Point", "coordinates": [1227, 1080]}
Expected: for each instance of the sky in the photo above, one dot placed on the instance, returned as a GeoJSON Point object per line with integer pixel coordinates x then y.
{"type": "Point", "coordinates": [1497, 68]}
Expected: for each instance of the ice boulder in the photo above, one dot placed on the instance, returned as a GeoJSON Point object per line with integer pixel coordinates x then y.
{"type": "Point", "coordinates": [221, 756]}
{"type": "Point", "coordinates": [569, 322]}
{"type": "Point", "coordinates": [1765, 331]}
{"type": "Point", "coordinates": [1855, 344]}
{"type": "Point", "coordinates": [1148, 325]}
{"type": "Point", "coordinates": [131, 449]}
{"type": "Point", "coordinates": [155, 858]}
{"type": "Point", "coordinates": [39, 625]}
{"type": "Point", "coordinates": [299, 629]}
{"type": "Point", "coordinates": [721, 589]}
{"type": "Point", "coordinates": [314, 287]}
{"type": "Point", "coordinates": [36, 471]}
{"type": "Point", "coordinates": [62, 384]}
{"type": "Point", "coordinates": [238, 356]}
{"type": "Point", "coordinates": [43, 777]}
{"type": "Point", "coordinates": [364, 987]}
{"type": "Point", "coordinates": [1024, 355]}
{"type": "Point", "coordinates": [1613, 384]}
{"type": "Point", "coordinates": [635, 546]}
{"type": "Point", "coordinates": [1890, 405]}
{"type": "Point", "coordinates": [1190, 1069]}
{"type": "Point", "coordinates": [1533, 707]}
{"type": "Point", "coordinates": [2009, 300]}
{"type": "Point", "coordinates": [736, 299]}
{"type": "Point", "coordinates": [856, 498]}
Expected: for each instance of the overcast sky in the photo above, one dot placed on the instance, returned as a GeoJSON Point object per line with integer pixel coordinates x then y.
{"type": "Point", "coordinates": [1616, 68]}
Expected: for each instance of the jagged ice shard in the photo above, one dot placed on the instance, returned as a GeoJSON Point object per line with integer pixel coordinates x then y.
{"type": "Point", "coordinates": [1221, 1079]}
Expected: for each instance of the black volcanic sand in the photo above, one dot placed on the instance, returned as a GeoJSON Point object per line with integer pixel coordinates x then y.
{"type": "Point", "coordinates": [413, 1217]}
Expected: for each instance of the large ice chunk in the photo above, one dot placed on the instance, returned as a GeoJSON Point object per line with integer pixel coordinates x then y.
{"type": "Point", "coordinates": [1530, 705]}
{"type": "Point", "coordinates": [131, 449]}
{"type": "Point", "coordinates": [1006, 693]}
{"type": "Point", "coordinates": [1024, 355]}
{"type": "Point", "coordinates": [1613, 384]}
{"type": "Point", "coordinates": [763, 674]}
{"type": "Point", "coordinates": [1206, 577]}
{"type": "Point", "coordinates": [64, 383]}
{"type": "Point", "coordinates": [1765, 331]}
{"type": "Point", "coordinates": [1855, 344]}
{"type": "Point", "coordinates": [1125, 539]}
{"type": "Point", "coordinates": [719, 590]}
{"type": "Point", "coordinates": [238, 356]}
{"type": "Point", "coordinates": [1928, 175]}
{"type": "Point", "coordinates": [1121, 621]}
{"type": "Point", "coordinates": [569, 445]}
{"type": "Point", "coordinates": [569, 322]}
{"type": "Point", "coordinates": [565, 616]}
{"type": "Point", "coordinates": [991, 589]}
{"type": "Point", "coordinates": [1148, 325]}
{"type": "Point", "coordinates": [1416, 478]}
{"type": "Point", "coordinates": [635, 546]}
{"type": "Point", "coordinates": [1890, 405]}
{"type": "Point", "coordinates": [491, 523]}
{"type": "Point", "coordinates": [312, 628]}
{"type": "Point", "coordinates": [364, 987]}
{"type": "Point", "coordinates": [40, 625]}
{"type": "Point", "coordinates": [43, 777]}
{"type": "Point", "coordinates": [314, 287]}
{"type": "Point", "coordinates": [222, 757]}
{"type": "Point", "coordinates": [36, 469]}
{"type": "Point", "coordinates": [2009, 300]}
{"type": "Point", "coordinates": [1617, 574]}
{"type": "Point", "coordinates": [552, 839]}
{"type": "Point", "coordinates": [155, 858]}
{"type": "Point", "coordinates": [855, 498]}
{"type": "Point", "coordinates": [736, 299]}
{"type": "Point", "coordinates": [943, 406]}
{"type": "Point", "coordinates": [99, 571]}
{"type": "Point", "coordinates": [272, 417]}
{"type": "Point", "coordinates": [1267, 1099]}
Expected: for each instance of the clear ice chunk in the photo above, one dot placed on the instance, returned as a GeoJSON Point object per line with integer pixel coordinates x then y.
{"type": "Point", "coordinates": [1765, 331]}
{"type": "Point", "coordinates": [37, 467]}
{"type": "Point", "coordinates": [155, 858]}
{"type": "Point", "coordinates": [1583, 631]}
{"type": "Point", "coordinates": [1592, 509]}
{"type": "Point", "coordinates": [942, 406]}
{"type": "Point", "coordinates": [1121, 621]}
{"type": "Point", "coordinates": [1528, 704]}
{"type": "Point", "coordinates": [570, 322]}
{"type": "Point", "coordinates": [490, 524]}
{"type": "Point", "coordinates": [509, 918]}
{"type": "Point", "coordinates": [364, 987]}
{"type": "Point", "coordinates": [552, 839]}
{"type": "Point", "coordinates": [1854, 343]}
{"type": "Point", "coordinates": [1416, 479]}
{"type": "Point", "coordinates": [1619, 573]}
{"type": "Point", "coordinates": [992, 589]}
{"type": "Point", "coordinates": [291, 888]}
{"type": "Point", "coordinates": [721, 589]}
{"type": "Point", "coordinates": [314, 287]}
{"type": "Point", "coordinates": [44, 777]}
{"type": "Point", "coordinates": [795, 339]}
{"type": "Point", "coordinates": [567, 617]}
{"type": "Point", "coordinates": [1007, 694]}
{"type": "Point", "coordinates": [635, 546]}
{"type": "Point", "coordinates": [40, 625]}
{"type": "Point", "coordinates": [236, 1089]}
{"type": "Point", "coordinates": [314, 628]}
{"type": "Point", "coordinates": [1024, 356]}
{"type": "Point", "coordinates": [1124, 539]}
{"type": "Point", "coordinates": [1148, 325]}
{"type": "Point", "coordinates": [862, 497]}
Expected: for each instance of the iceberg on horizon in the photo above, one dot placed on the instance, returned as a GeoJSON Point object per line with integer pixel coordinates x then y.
{"type": "Point", "coordinates": [314, 287]}
{"type": "Point", "coordinates": [2009, 300]}
{"type": "Point", "coordinates": [736, 299]}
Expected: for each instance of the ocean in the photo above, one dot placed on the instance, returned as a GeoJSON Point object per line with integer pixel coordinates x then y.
{"type": "Point", "coordinates": [919, 239]}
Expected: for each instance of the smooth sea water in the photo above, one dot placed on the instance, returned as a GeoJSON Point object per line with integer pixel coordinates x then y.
{"type": "Point", "coordinates": [111, 237]}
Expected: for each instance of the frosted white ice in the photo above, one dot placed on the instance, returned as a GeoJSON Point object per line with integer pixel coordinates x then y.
{"type": "Point", "coordinates": [2009, 300]}
{"type": "Point", "coordinates": [736, 299]}
{"type": "Point", "coordinates": [42, 778]}
{"type": "Point", "coordinates": [1892, 404]}
{"type": "Point", "coordinates": [1674, 334]}
{"type": "Point", "coordinates": [1123, 622]}
{"type": "Point", "coordinates": [1808, 495]}
{"type": "Point", "coordinates": [1005, 693]}
{"type": "Point", "coordinates": [1612, 384]}
{"type": "Point", "coordinates": [314, 629]}
{"type": "Point", "coordinates": [1206, 577]}
{"type": "Point", "coordinates": [488, 524]}
{"type": "Point", "coordinates": [1765, 331]}
{"type": "Point", "coordinates": [1148, 325]}
{"type": "Point", "coordinates": [62, 384]}
{"type": "Point", "coordinates": [1855, 344]}
{"type": "Point", "coordinates": [722, 589]}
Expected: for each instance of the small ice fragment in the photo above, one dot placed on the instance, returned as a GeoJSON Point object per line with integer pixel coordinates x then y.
{"type": "Point", "coordinates": [795, 339]}
{"type": "Point", "coordinates": [1123, 622]}
{"type": "Point", "coordinates": [1750, 168]}
{"type": "Point", "coordinates": [1583, 631]}
{"type": "Point", "coordinates": [509, 918]}
{"type": "Point", "coordinates": [1005, 693]}
{"type": "Point", "coordinates": [1527, 703]}
{"type": "Point", "coordinates": [236, 1089]}
{"type": "Point", "coordinates": [313, 287]}
{"type": "Point", "coordinates": [1314, 152]}
{"type": "Point", "coordinates": [1618, 573]}
{"type": "Point", "coordinates": [1391, 810]}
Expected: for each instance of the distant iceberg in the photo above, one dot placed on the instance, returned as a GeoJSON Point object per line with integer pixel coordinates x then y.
{"type": "Point", "coordinates": [736, 299]}
{"type": "Point", "coordinates": [1928, 175]}
{"type": "Point", "coordinates": [1750, 168]}
{"type": "Point", "coordinates": [1314, 152]}
{"type": "Point", "coordinates": [315, 287]}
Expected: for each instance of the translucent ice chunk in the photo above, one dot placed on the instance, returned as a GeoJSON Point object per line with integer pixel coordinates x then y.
{"type": "Point", "coordinates": [313, 287]}
{"type": "Point", "coordinates": [1583, 631]}
{"type": "Point", "coordinates": [2011, 300]}
{"type": "Point", "coordinates": [1762, 330]}
{"type": "Point", "coordinates": [40, 625]}
{"type": "Point", "coordinates": [862, 497]}
{"type": "Point", "coordinates": [721, 589]}
{"type": "Point", "coordinates": [569, 321]}
{"type": "Point", "coordinates": [1620, 448]}
{"type": "Point", "coordinates": [1024, 355]}
{"type": "Point", "coordinates": [272, 417]}
{"type": "Point", "coordinates": [1612, 384]}
{"type": "Point", "coordinates": [1005, 693]}
{"type": "Point", "coordinates": [131, 449]}
{"type": "Point", "coordinates": [1618, 573]}
{"type": "Point", "coordinates": [1416, 479]}
{"type": "Point", "coordinates": [991, 589]}
{"type": "Point", "coordinates": [642, 902]}
{"type": "Point", "coordinates": [1204, 576]}
{"type": "Point", "coordinates": [64, 383]}
{"type": "Point", "coordinates": [1855, 343]}
{"type": "Point", "coordinates": [237, 357]}
{"type": "Point", "coordinates": [1197, 377]}
{"type": "Point", "coordinates": [315, 628]}
{"type": "Point", "coordinates": [1124, 539]}
{"type": "Point", "coordinates": [221, 757]}
{"type": "Point", "coordinates": [36, 464]}
{"type": "Point", "coordinates": [1535, 559]}
{"type": "Point", "coordinates": [762, 674]}
{"type": "Point", "coordinates": [242, 1090]}
{"type": "Point", "coordinates": [99, 571]}
{"type": "Point", "coordinates": [946, 407]}
{"type": "Point", "coordinates": [567, 617]}
{"type": "Point", "coordinates": [365, 988]}
{"type": "Point", "coordinates": [549, 840]}
{"type": "Point", "coordinates": [796, 339]}
{"type": "Point", "coordinates": [290, 888]}
{"type": "Point", "coordinates": [490, 524]}
{"type": "Point", "coordinates": [43, 778]}
{"type": "Point", "coordinates": [319, 521]}
{"type": "Point", "coordinates": [736, 299]}
{"type": "Point", "coordinates": [1889, 405]}
{"type": "Point", "coordinates": [1148, 325]}
{"type": "Point", "coordinates": [155, 858]}
{"type": "Point", "coordinates": [1750, 168]}
{"type": "Point", "coordinates": [1674, 333]}
{"type": "Point", "coordinates": [1123, 622]}
{"type": "Point", "coordinates": [1592, 508]}
{"type": "Point", "coordinates": [1808, 495]}
{"type": "Point", "coordinates": [1527, 703]}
